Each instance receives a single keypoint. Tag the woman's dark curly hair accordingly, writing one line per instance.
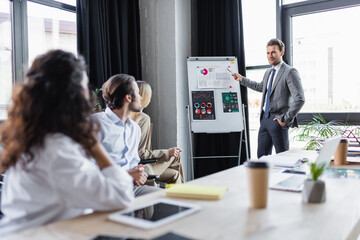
(52, 100)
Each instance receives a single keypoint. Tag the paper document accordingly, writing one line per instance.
(214, 77)
(289, 159)
(282, 161)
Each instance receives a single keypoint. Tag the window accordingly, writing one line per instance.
(29, 28)
(326, 52)
(6, 81)
(50, 28)
(292, 1)
(69, 2)
(256, 35)
(324, 47)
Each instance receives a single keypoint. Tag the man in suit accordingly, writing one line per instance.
(282, 99)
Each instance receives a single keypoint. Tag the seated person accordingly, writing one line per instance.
(168, 167)
(120, 135)
(48, 142)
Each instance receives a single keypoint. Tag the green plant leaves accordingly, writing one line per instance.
(317, 130)
(316, 170)
(94, 98)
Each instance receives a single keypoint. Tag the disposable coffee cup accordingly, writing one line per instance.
(341, 152)
(258, 178)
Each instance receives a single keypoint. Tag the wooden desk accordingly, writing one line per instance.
(286, 216)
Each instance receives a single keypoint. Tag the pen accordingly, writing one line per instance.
(294, 171)
(229, 70)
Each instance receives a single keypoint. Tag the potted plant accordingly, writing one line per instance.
(314, 189)
(97, 107)
(317, 130)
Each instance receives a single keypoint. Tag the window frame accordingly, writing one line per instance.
(309, 7)
(19, 29)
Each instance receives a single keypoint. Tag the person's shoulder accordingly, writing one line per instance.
(98, 115)
(134, 125)
(58, 144)
(57, 140)
(143, 117)
(287, 67)
(102, 118)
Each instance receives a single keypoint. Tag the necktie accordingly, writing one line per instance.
(267, 104)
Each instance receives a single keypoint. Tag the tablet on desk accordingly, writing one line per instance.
(154, 214)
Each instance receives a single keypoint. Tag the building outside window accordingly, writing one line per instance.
(326, 53)
(6, 79)
(43, 25)
(50, 28)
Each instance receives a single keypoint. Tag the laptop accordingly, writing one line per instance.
(292, 180)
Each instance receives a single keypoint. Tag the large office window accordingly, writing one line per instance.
(27, 29)
(50, 28)
(324, 47)
(326, 52)
(256, 35)
(258, 32)
(292, 1)
(6, 79)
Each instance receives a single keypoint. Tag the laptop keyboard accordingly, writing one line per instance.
(294, 183)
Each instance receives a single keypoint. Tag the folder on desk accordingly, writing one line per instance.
(202, 192)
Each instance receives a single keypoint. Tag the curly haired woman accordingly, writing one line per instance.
(48, 143)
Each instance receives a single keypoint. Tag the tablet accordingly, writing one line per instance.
(154, 214)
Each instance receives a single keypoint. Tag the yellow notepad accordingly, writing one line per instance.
(196, 191)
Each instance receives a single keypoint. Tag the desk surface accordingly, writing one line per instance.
(286, 216)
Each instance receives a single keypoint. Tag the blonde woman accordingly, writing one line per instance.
(168, 167)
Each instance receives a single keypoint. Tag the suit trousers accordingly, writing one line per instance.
(169, 171)
(272, 134)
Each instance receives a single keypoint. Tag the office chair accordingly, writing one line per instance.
(147, 161)
(1, 183)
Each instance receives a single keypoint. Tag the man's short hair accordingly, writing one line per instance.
(116, 88)
(276, 42)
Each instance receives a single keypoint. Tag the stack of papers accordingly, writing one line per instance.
(196, 191)
(289, 159)
(282, 161)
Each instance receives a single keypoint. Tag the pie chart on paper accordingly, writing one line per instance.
(204, 71)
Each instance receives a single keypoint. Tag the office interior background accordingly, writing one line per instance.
(321, 38)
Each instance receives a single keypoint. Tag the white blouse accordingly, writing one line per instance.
(60, 183)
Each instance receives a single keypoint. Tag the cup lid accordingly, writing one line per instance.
(257, 164)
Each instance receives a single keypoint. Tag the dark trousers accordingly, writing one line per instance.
(272, 134)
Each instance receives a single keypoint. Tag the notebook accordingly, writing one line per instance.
(196, 191)
(290, 180)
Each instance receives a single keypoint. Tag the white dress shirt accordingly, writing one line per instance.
(277, 68)
(60, 183)
(121, 140)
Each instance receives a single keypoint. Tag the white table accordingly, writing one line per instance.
(286, 216)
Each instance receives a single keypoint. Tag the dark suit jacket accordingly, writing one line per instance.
(287, 94)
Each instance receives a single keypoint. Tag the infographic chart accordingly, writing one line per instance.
(214, 95)
(230, 102)
(203, 105)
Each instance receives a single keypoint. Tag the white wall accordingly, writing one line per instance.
(165, 44)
